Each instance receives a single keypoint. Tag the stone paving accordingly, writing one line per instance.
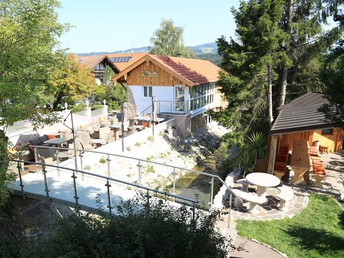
(270, 210)
(333, 184)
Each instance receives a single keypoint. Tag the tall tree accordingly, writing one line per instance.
(114, 95)
(247, 61)
(71, 81)
(333, 77)
(28, 36)
(288, 36)
(168, 41)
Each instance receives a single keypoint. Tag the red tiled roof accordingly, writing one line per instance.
(195, 70)
(191, 71)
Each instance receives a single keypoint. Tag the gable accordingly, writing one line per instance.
(150, 74)
(169, 71)
(94, 61)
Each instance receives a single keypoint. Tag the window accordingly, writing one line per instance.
(327, 131)
(202, 95)
(147, 91)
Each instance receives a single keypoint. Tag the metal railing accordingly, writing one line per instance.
(176, 107)
(170, 107)
(146, 173)
(51, 192)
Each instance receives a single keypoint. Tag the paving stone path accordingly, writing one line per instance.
(332, 185)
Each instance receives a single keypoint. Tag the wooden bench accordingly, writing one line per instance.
(285, 194)
(252, 198)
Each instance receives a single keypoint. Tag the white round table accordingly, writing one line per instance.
(263, 181)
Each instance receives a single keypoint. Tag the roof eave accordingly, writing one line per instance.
(120, 77)
(301, 129)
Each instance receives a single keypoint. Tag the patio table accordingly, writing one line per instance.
(56, 141)
(263, 181)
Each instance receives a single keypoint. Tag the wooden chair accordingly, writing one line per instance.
(281, 160)
(300, 162)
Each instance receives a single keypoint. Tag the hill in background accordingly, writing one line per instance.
(207, 51)
(207, 48)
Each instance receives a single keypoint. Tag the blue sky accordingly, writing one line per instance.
(110, 25)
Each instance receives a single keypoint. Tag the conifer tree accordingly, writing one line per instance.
(288, 36)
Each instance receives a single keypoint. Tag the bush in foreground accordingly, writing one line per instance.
(155, 231)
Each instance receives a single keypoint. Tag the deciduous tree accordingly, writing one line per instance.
(28, 36)
(168, 41)
(114, 95)
(71, 81)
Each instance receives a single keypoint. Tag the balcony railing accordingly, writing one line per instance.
(171, 107)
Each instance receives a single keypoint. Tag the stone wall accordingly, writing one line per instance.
(182, 123)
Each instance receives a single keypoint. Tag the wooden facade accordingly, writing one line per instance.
(332, 141)
(150, 74)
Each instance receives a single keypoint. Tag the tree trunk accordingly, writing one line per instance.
(271, 118)
(284, 76)
(57, 101)
(4, 159)
(283, 86)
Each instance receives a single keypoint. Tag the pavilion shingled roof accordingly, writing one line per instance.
(301, 115)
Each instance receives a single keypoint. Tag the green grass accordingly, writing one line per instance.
(315, 232)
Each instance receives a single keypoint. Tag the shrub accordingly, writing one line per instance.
(157, 230)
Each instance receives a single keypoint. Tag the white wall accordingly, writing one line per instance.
(160, 92)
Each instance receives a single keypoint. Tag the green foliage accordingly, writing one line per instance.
(102, 160)
(114, 95)
(9, 247)
(27, 62)
(87, 167)
(78, 108)
(157, 230)
(168, 41)
(97, 106)
(150, 169)
(314, 232)
(239, 151)
(332, 76)
(212, 57)
(28, 35)
(71, 81)
(291, 41)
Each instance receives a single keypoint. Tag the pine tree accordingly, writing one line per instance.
(286, 35)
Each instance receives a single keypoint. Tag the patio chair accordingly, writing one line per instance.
(69, 153)
(85, 138)
(105, 134)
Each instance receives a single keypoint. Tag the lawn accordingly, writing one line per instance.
(315, 232)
